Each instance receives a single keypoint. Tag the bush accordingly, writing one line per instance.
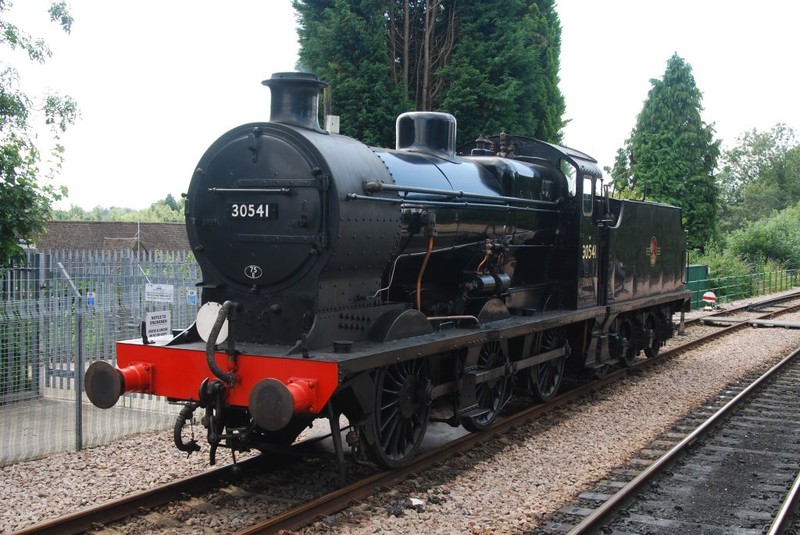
(722, 262)
(775, 239)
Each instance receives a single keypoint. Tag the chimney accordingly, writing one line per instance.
(295, 99)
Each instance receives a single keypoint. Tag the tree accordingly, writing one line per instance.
(25, 193)
(167, 210)
(172, 203)
(421, 36)
(494, 66)
(753, 153)
(671, 154)
(504, 72)
(759, 175)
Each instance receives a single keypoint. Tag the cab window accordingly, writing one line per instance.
(571, 173)
(588, 195)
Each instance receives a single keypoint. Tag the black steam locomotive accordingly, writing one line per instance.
(400, 286)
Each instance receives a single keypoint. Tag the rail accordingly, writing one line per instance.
(593, 521)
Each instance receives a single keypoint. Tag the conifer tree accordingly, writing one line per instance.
(671, 154)
(492, 65)
(504, 73)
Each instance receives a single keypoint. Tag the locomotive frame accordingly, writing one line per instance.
(409, 285)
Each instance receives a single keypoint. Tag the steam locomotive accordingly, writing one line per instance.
(398, 286)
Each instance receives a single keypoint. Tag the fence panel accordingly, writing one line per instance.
(20, 328)
(738, 287)
(59, 312)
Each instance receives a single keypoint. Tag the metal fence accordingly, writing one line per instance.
(61, 311)
(734, 288)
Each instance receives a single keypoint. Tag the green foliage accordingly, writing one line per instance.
(420, 36)
(724, 268)
(60, 13)
(775, 239)
(761, 257)
(26, 193)
(722, 262)
(494, 66)
(172, 203)
(622, 179)
(732, 277)
(671, 154)
(753, 153)
(759, 175)
(167, 210)
(504, 71)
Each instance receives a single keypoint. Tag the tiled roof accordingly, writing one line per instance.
(113, 235)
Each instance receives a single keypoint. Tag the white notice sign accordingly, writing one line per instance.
(159, 293)
(158, 324)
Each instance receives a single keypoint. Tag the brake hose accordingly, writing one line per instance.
(229, 378)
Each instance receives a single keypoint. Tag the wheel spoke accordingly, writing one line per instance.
(397, 375)
(390, 403)
(405, 435)
(546, 375)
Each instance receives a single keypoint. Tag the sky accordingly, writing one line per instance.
(158, 81)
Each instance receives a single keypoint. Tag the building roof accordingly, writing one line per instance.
(112, 235)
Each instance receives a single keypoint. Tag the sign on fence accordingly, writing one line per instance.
(157, 324)
(159, 293)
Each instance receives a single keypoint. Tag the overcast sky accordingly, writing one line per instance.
(158, 81)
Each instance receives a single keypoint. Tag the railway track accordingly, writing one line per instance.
(738, 316)
(288, 514)
(729, 475)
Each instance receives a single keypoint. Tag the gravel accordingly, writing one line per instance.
(34, 491)
(506, 486)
